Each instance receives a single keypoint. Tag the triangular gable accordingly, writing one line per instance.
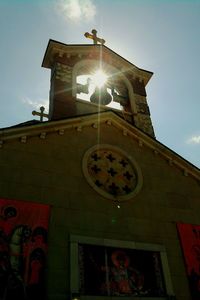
(22, 134)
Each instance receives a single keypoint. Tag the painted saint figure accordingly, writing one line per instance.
(126, 279)
(123, 279)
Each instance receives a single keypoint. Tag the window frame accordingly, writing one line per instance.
(75, 240)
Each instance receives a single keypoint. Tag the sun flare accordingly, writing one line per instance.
(99, 78)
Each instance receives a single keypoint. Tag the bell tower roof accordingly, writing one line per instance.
(58, 49)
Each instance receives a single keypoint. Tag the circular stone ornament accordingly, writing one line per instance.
(112, 172)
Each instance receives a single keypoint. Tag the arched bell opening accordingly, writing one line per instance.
(103, 95)
(115, 92)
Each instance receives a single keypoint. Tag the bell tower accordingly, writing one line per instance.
(93, 78)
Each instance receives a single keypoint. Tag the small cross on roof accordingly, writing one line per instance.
(94, 37)
(41, 113)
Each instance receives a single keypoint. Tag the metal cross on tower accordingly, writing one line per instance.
(41, 113)
(94, 37)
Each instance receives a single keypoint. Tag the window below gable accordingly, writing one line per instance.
(110, 268)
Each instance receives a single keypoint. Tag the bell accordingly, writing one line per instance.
(101, 96)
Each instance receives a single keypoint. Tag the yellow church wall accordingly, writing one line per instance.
(50, 171)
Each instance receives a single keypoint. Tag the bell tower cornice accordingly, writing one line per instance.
(57, 51)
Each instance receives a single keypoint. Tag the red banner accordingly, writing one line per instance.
(190, 241)
(23, 247)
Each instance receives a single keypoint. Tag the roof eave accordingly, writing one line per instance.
(109, 118)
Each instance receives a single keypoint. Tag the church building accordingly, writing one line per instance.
(92, 205)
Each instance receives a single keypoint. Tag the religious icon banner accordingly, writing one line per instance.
(108, 271)
(23, 248)
(190, 242)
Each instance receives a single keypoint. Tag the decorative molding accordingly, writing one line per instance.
(94, 52)
(61, 132)
(108, 122)
(63, 72)
(60, 54)
(143, 108)
(144, 123)
(43, 135)
(125, 132)
(79, 128)
(156, 152)
(23, 139)
(170, 161)
(140, 142)
(94, 126)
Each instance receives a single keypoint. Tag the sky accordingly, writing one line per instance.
(162, 36)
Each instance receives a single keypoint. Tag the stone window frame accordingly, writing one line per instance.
(75, 240)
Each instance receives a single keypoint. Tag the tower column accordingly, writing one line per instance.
(62, 102)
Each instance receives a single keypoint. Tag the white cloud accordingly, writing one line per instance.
(75, 10)
(36, 103)
(194, 140)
